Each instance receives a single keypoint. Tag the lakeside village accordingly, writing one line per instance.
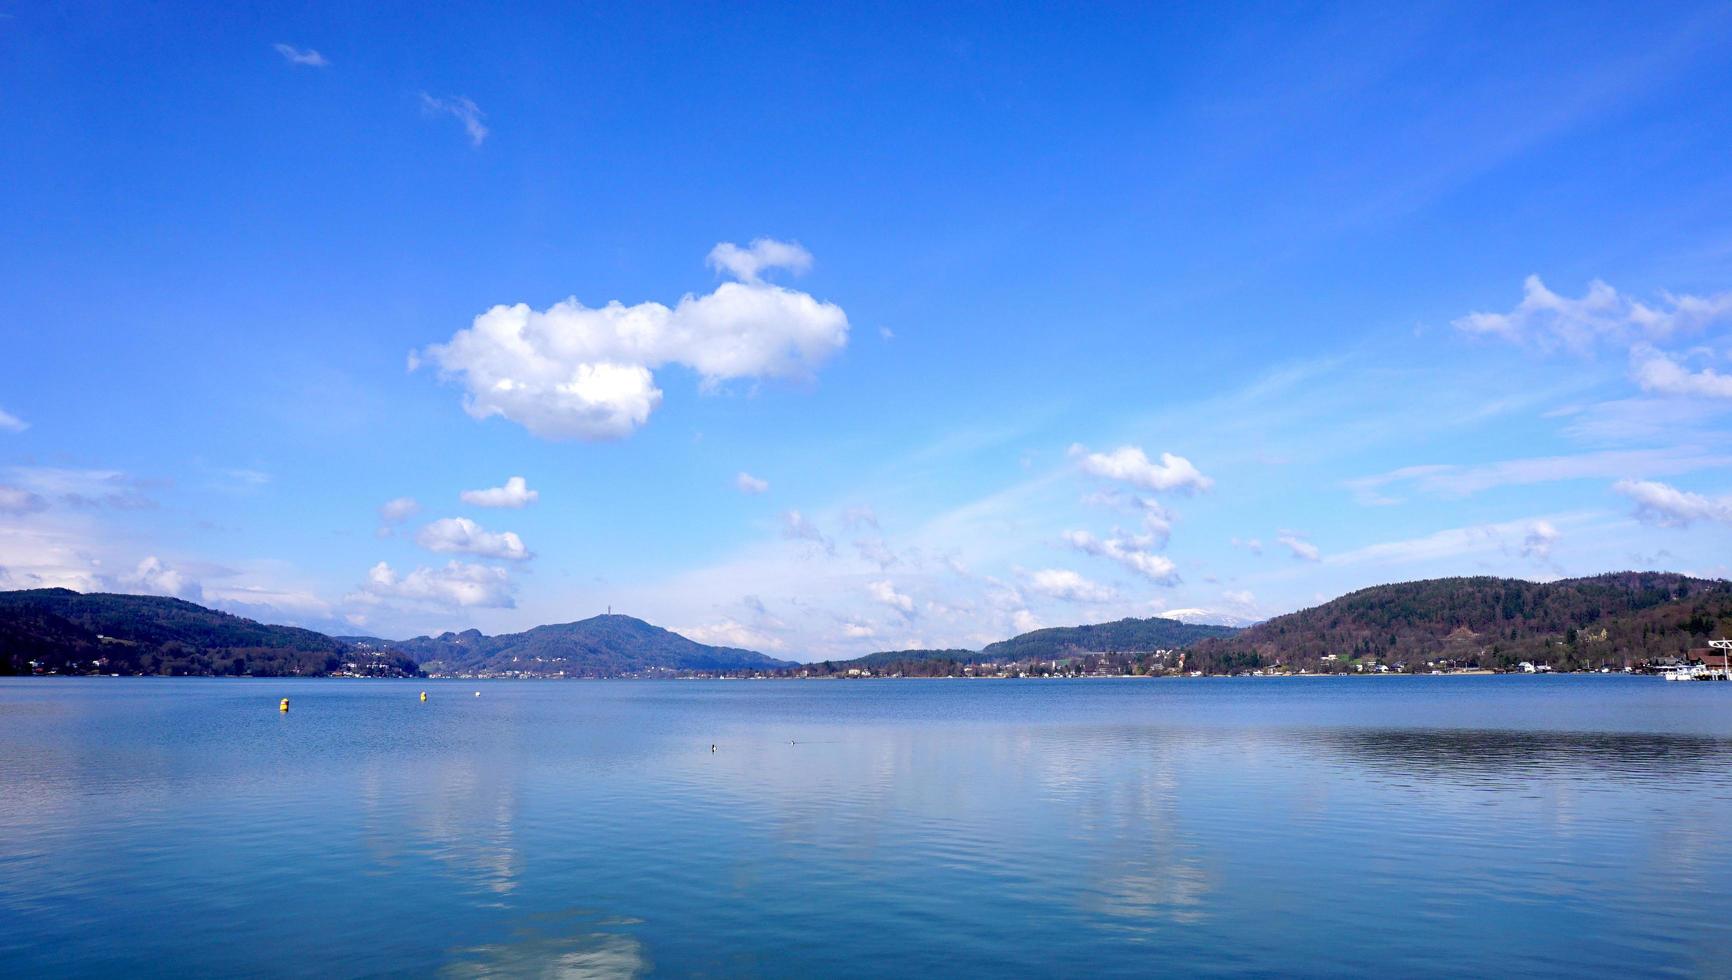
(1707, 663)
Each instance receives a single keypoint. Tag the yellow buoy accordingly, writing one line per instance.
(423, 695)
(285, 705)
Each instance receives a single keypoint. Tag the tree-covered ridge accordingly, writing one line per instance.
(601, 646)
(71, 632)
(1122, 636)
(1127, 645)
(1610, 620)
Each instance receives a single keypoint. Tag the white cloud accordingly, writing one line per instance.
(747, 483)
(876, 551)
(884, 592)
(858, 631)
(1130, 465)
(1667, 506)
(295, 56)
(398, 510)
(1157, 519)
(155, 578)
(462, 535)
(17, 500)
(747, 264)
(1539, 540)
(1295, 542)
(515, 493)
(576, 372)
(1658, 371)
(463, 109)
(1602, 315)
(1253, 545)
(796, 527)
(860, 516)
(457, 584)
(1134, 551)
(12, 423)
(1062, 583)
(729, 633)
(1453, 480)
(1024, 621)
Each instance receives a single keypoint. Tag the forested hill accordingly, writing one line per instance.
(71, 632)
(602, 646)
(1122, 636)
(1130, 640)
(1606, 620)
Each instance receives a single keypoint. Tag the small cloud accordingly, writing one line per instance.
(11, 423)
(1253, 545)
(1129, 464)
(462, 535)
(1537, 544)
(463, 109)
(860, 516)
(1066, 585)
(1667, 506)
(886, 333)
(17, 500)
(393, 512)
(1602, 315)
(1024, 621)
(796, 527)
(1296, 543)
(295, 56)
(515, 494)
(858, 631)
(1659, 372)
(747, 483)
(155, 578)
(748, 264)
(876, 551)
(1134, 551)
(885, 593)
(457, 584)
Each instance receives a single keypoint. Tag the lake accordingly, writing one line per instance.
(1448, 826)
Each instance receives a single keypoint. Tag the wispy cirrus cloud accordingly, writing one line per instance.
(1461, 480)
(463, 109)
(307, 58)
(1602, 315)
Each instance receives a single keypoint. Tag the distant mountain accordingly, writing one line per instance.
(602, 646)
(1605, 620)
(1127, 640)
(1123, 636)
(72, 632)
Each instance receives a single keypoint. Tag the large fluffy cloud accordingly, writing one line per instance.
(515, 493)
(462, 535)
(1130, 464)
(1668, 506)
(457, 584)
(578, 372)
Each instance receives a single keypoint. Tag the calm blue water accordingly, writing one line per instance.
(1564, 826)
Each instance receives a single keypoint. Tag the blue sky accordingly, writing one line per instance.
(934, 324)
